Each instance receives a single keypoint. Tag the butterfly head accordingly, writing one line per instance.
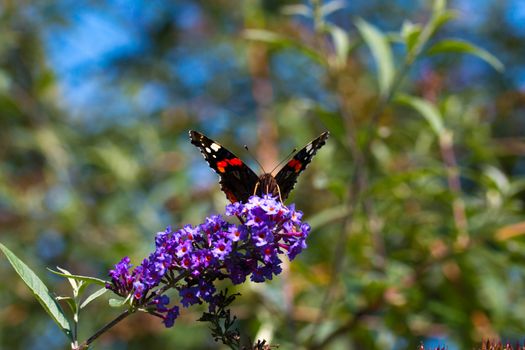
(267, 185)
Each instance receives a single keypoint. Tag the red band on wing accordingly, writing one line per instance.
(296, 164)
(234, 161)
(221, 165)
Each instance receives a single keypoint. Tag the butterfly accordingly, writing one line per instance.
(239, 182)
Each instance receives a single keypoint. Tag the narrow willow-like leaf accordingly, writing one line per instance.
(498, 177)
(72, 305)
(92, 297)
(71, 281)
(86, 279)
(279, 41)
(328, 216)
(426, 109)
(332, 6)
(511, 231)
(39, 290)
(410, 33)
(341, 44)
(297, 10)
(460, 46)
(441, 19)
(116, 302)
(333, 122)
(439, 6)
(382, 53)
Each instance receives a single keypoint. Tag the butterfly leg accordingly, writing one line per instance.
(256, 187)
(280, 198)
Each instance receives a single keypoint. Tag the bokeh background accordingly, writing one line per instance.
(96, 99)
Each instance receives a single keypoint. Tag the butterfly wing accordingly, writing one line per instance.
(287, 176)
(236, 178)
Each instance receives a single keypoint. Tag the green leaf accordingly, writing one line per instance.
(279, 41)
(341, 44)
(39, 290)
(426, 109)
(382, 53)
(331, 7)
(441, 19)
(410, 33)
(297, 10)
(93, 296)
(87, 279)
(460, 46)
(327, 216)
(439, 6)
(71, 281)
(70, 301)
(497, 177)
(333, 122)
(113, 302)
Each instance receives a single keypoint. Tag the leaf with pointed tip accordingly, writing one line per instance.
(460, 46)
(88, 279)
(297, 10)
(278, 41)
(71, 303)
(382, 53)
(331, 7)
(93, 296)
(39, 290)
(410, 33)
(71, 281)
(426, 109)
(341, 43)
(332, 121)
(439, 6)
(441, 19)
(113, 302)
(328, 216)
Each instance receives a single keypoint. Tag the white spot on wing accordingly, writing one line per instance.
(215, 147)
(208, 149)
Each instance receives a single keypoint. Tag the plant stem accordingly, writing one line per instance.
(446, 145)
(105, 328)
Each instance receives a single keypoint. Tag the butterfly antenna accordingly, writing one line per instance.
(284, 160)
(251, 155)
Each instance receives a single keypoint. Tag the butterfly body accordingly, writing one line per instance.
(239, 182)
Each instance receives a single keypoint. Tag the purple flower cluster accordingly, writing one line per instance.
(192, 258)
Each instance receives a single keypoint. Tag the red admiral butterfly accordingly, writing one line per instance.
(239, 182)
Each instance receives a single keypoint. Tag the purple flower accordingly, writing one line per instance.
(262, 236)
(138, 288)
(295, 216)
(261, 274)
(236, 233)
(170, 316)
(183, 248)
(206, 290)
(192, 259)
(159, 306)
(189, 296)
(268, 253)
(270, 206)
(221, 249)
(121, 280)
(234, 209)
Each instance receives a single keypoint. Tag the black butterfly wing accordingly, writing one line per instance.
(287, 176)
(236, 178)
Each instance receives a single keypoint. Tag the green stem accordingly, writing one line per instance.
(105, 328)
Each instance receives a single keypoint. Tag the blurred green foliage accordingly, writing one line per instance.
(416, 202)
